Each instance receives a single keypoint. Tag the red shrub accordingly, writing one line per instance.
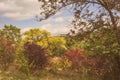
(98, 65)
(75, 56)
(93, 64)
(36, 55)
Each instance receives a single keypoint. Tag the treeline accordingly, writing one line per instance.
(96, 54)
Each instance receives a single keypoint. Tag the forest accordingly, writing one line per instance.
(90, 51)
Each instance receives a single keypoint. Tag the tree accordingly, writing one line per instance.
(36, 35)
(9, 38)
(7, 53)
(89, 16)
(102, 44)
(11, 32)
(86, 16)
(55, 45)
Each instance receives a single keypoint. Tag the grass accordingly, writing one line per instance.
(45, 75)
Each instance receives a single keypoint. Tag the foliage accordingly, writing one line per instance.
(7, 53)
(100, 58)
(36, 55)
(103, 41)
(56, 45)
(59, 63)
(91, 17)
(11, 32)
(99, 65)
(10, 36)
(75, 56)
(35, 35)
(103, 44)
(95, 65)
(73, 42)
(102, 49)
(21, 63)
(105, 13)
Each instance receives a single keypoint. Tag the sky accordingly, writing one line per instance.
(21, 13)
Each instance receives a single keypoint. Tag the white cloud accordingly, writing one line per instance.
(17, 16)
(26, 29)
(59, 19)
(19, 9)
(56, 28)
(55, 20)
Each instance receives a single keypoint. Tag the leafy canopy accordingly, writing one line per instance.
(36, 34)
(11, 32)
(89, 15)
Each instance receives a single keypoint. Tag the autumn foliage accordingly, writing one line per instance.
(36, 55)
(7, 53)
(92, 64)
(94, 58)
(75, 56)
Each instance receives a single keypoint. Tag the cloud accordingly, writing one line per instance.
(26, 29)
(55, 20)
(19, 10)
(56, 29)
(59, 19)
